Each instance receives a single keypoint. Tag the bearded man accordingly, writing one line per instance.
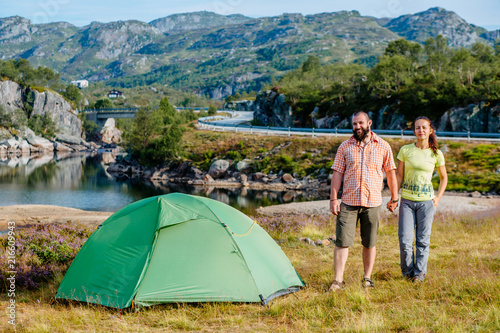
(360, 163)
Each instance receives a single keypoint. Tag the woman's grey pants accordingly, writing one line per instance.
(415, 217)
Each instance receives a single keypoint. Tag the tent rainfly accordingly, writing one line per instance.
(178, 248)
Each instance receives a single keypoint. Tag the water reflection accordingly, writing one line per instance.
(81, 181)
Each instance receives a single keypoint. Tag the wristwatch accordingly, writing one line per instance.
(394, 201)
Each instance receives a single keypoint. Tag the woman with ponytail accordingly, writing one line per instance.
(416, 163)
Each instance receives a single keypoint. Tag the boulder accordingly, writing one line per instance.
(195, 173)
(208, 178)
(61, 147)
(258, 176)
(111, 134)
(69, 139)
(218, 169)
(475, 194)
(242, 165)
(287, 178)
(40, 143)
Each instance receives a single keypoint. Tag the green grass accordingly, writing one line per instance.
(460, 294)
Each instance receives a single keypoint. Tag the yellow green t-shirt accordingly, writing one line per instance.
(419, 167)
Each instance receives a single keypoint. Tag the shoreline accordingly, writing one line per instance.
(29, 215)
(451, 203)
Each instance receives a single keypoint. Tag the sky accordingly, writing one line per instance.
(483, 13)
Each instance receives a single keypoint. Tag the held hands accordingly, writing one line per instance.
(335, 207)
(391, 206)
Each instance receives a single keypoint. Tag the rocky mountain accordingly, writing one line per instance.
(18, 35)
(179, 23)
(433, 22)
(216, 55)
(491, 36)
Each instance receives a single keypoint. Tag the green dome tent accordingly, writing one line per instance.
(178, 248)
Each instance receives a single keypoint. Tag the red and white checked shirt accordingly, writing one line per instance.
(363, 170)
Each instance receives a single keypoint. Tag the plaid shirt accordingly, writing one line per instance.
(362, 169)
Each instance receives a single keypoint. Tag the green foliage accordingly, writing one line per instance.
(42, 125)
(188, 115)
(484, 155)
(456, 145)
(262, 165)
(232, 98)
(156, 134)
(412, 79)
(21, 71)
(28, 103)
(16, 119)
(312, 64)
(482, 182)
(234, 155)
(72, 93)
(103, 103)
(88, 126)
(212, 110)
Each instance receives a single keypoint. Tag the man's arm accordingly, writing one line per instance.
(334, 202)
(392, 182)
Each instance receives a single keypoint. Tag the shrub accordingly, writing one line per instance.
(41, 252)
(234, 155)
(42, 125)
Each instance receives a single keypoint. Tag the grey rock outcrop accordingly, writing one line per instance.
(270, 108)
(475, 118)
(60, 111)
(12, 97)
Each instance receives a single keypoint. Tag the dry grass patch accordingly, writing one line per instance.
(460, 293)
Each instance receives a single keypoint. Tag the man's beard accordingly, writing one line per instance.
(362, 135)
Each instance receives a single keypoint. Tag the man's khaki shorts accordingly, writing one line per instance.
(347, 219)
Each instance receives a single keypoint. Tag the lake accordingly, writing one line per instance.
(81, 181)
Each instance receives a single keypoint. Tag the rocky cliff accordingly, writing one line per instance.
(474, 118)
(14, 97)
(271, 109)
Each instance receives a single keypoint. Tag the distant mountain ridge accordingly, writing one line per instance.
(435, 21)
(216, 54)
(178, 23)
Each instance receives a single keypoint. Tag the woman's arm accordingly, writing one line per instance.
(400, 173)
(443, 182)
